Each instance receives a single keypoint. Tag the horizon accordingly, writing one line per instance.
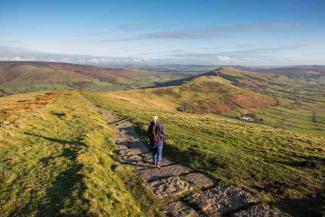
(130, 65)
(196, 32)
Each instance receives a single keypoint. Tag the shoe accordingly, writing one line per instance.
(158, 166)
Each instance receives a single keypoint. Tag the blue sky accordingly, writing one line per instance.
(244, 32)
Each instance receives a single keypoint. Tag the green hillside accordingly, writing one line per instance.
(270, 159)
(56, 159)
(300, 102)
(57, 154)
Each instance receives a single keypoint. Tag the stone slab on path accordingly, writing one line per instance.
(147, 157)
(131, 158)
(138, 145)
(221, 200)
(200, 180)
(129, 131)
(179, 209)
(170, 186)
(130, 151)
(260, 210)
(155, 173)
(120, 147)
(122, 141)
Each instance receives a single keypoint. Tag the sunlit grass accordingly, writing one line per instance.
(58, 162)
(257, 157)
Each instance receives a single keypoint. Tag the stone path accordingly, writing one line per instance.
(190, 193)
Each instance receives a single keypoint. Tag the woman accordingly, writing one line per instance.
(156, 135)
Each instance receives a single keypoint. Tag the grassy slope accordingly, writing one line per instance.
(301, 102)
(206, 94)
(56, 158)
(257, 157)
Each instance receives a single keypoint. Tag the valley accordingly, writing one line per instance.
(16, 77)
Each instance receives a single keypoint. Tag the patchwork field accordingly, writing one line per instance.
(300, 102)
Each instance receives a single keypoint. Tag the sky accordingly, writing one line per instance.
(212, 32)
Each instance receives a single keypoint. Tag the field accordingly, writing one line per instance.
(56, 159)
(260, 158)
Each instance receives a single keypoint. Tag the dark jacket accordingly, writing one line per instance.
(151, 127)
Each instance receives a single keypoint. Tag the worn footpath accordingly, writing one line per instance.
(190, 193)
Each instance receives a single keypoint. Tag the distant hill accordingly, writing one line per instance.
(307, 72)
(19, 76)
(269, 98)
(205, 93)
(299, 71)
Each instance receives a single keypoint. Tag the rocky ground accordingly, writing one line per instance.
(190, 193)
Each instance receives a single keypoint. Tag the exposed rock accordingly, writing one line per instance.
(120, 147)
(131, 158)
(138, 145)
(221, 200)
(260, 210)
(147, 157)
(171, 186)
(130, 151)
(155, 173)
(128, 130)
(122, 142)
(179, 209)
(200, 180)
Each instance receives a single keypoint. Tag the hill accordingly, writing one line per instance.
(57, 152)
(305, 72)
(207, 93)
(31, 76)
(56, 159)
(283, 166)
(277, 100)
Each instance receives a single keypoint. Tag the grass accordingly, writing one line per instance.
(56, 151)
(257, 157)
(57, 162)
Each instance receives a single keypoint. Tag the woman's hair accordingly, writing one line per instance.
(155, 118)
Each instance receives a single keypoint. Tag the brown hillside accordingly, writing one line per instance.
(45, 72)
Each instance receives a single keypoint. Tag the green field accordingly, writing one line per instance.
(56, 158)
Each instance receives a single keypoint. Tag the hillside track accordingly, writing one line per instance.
(185, 192)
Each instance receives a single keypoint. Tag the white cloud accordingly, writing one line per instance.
(224, 58)
(17, 59)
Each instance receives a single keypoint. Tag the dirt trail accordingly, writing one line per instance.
(189, 193)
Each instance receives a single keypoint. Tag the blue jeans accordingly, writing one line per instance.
(157, 153)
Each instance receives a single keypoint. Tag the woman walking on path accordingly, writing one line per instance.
(156, 135)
